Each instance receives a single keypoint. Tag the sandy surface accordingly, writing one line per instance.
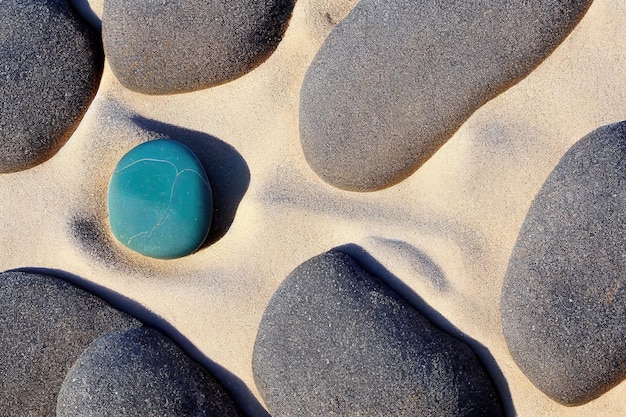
(446, 232)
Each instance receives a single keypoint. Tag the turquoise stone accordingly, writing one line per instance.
(160, 202)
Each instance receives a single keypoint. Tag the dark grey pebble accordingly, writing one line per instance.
(395, 79)
(140, 372)
(335, 341)
(185, 45)
(45, 324)
(564, 295)
(51, 63)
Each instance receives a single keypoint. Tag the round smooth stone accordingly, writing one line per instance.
(51, 64)
(160, 200)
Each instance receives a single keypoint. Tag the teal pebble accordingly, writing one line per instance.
(160, 201)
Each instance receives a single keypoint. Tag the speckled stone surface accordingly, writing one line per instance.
(140, 372)
(180, 46)
(334, 341)
(395, 79)
(564, 295)
(45, 324)
(159, 200)
(51, 64)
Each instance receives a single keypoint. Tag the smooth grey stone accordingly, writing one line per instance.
(335, 341)
(140, 372)
(45, 324)
(395, 79)
(51, 63)
(165, 47)
(564, 294)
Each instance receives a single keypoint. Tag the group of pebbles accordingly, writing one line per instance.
(390, 85)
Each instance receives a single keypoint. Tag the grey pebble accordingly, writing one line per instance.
(51, 63)
(395, 79)
(180, 46)
(335, 341)
(45, 324)
(563, 299)
(140, 373)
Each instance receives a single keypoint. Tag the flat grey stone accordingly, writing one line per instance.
(165, 47)
(564, 295)
(51, 62)
(395, 79)
(334, 341)
(45, 324)
(140, 372)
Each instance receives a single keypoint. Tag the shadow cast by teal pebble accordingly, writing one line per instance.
(237, 389)
(373, 267)
(225, 168)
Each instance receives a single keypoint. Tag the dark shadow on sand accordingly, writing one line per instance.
(373, 267)
(85, 10)
(238, 390)
(226, 169)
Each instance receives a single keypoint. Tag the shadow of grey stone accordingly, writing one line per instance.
(240, 393)
(85, 10)
(373, 267)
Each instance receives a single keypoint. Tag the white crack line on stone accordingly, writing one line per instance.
(206, 182)
(169, 205)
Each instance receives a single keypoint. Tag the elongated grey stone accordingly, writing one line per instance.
(395, 79)
(140, 372)
(51, 62)
(45, 324)
(335, 341)
(165, 47)
(564, 294)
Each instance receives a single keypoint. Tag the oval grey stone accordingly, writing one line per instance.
(395, 79)
(335, 341)
(165, 47)
(564, 294)
(140, 372)
(51, 63)
(45, 324)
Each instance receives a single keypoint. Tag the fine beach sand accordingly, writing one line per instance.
(446, 233)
